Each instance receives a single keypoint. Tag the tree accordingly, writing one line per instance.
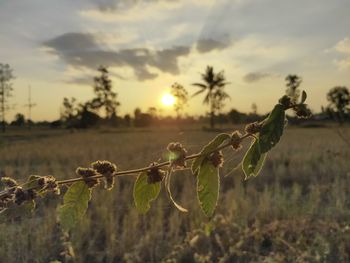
(5, 91)
(105, 96)
(181, 95)
(213, 84)
(69, 111)
(293, 82)
(86, 117)
(19, 120)
(339, 100)
(254, 109)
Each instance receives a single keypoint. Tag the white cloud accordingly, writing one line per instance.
(343, 46)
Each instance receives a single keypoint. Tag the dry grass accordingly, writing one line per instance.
(307, 176)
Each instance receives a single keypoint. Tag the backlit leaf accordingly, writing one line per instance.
(208, 187)
(272, 129)
(253, 160)
(144, 193)
(303, 96)
(210, 147)
(75, 204)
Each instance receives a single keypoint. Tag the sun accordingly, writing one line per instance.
(168, 100)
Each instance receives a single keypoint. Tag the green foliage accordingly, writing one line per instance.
(253, 160)
(32, 181)
(272, 128)
(144, 193)
(168, 189)
(208, 185)
(75, 203)
(303, 96)
(207, 149)
(270, 134)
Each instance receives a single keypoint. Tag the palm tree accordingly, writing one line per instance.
(213, 84)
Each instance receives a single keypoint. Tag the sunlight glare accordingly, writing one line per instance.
(168, 100)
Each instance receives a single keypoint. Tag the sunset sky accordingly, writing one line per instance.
(56, 46)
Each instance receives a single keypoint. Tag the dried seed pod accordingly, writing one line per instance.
(22, 195)
(236, 140)
(51, 184)
(177, 155)
(107, 169)
(104, 167)
(302, 111)
(286, 101)
(217, 158)
(9, 182)
(253, 128)
(5, 199)
(86, 173)
(154, 174)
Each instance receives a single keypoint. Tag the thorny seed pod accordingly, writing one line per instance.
(107, 169)
(286, 101)
(236, 140)
(86, 173)
(9, 182)
(217, 158)
(253, 128)
(154, 174)
(51, 184)
(302, 111)
(24, 195)
(103, 167)
(5, 199)
(177, 155)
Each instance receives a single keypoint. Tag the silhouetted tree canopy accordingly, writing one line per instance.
(181, 95)
(213, 84)
(105, 96)
(19, 120)
(339, 101)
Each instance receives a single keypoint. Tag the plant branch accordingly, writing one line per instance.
(132, 171)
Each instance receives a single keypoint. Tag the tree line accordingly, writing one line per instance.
(103, 108)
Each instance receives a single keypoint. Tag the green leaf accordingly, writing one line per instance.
(168, 189)
(208, 187)
(253, 160)
(15, 212)
(272, 129)
(75, 204)
(210, 147)
(32, 181)
(144, 193)
(303, 97)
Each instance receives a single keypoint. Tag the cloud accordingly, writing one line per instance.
(256, 76)
(208, 44)
(113, 5)
(343, 64)
(83, 50)
(129, 10)
(343, 47)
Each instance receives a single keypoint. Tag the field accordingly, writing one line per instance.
(297, 210)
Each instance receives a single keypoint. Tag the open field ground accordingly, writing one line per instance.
(297, 210)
